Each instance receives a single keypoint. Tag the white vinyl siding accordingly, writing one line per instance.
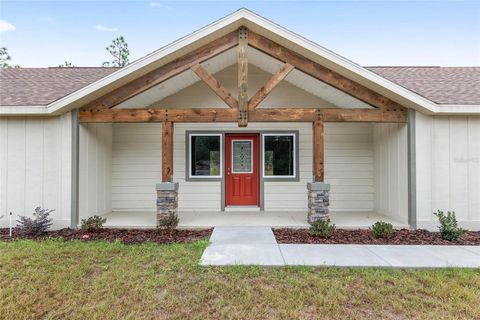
(136, 165)
(448, 168)
(35, 166)
(95, 169)
(391, 170)
(349, 166)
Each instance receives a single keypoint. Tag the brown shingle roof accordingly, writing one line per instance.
(41, 86)
(443, 85)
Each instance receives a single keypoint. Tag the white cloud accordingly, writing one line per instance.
(6, 26)
(159, 5)
(104, 28)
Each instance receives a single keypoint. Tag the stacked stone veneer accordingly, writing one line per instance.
(318, 201)
(167, 200)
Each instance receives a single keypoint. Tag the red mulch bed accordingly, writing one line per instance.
(127, 236)
(403, 236)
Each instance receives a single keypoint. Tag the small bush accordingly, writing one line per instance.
(168, 222)
(382, 229)
(449, 229)
(322, 229)
(93, 224)
(37, 225)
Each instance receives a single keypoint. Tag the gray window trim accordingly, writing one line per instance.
(296, 176)
(188, 176)
(260, 159)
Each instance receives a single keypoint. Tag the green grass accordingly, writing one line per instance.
(99, 280)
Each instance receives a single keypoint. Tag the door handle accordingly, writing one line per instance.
(228, 171)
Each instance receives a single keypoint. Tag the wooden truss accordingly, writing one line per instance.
(242, 109)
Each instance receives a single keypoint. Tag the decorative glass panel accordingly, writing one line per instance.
(279, 155)
(242, 156)
(205, 155)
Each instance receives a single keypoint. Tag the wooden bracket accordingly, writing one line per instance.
(264, 91)
(215, 85)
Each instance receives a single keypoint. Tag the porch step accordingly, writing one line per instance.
(242, 209)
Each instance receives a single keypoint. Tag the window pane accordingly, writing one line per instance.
(241, 156)
(279, 156)
(205, 155)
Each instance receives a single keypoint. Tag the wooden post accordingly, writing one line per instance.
(242, 77)
(318, 150)
(167, 151)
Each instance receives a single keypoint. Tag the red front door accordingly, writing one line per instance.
(241, 170)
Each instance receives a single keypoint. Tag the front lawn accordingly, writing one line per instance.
(102, 280)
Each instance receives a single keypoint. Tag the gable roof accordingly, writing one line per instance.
(43, 86)
(373, 80)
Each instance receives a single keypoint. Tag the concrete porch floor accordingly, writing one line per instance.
(290, 219)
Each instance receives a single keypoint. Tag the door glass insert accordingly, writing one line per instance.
(242, 156)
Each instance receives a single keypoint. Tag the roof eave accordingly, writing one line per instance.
(24, 110)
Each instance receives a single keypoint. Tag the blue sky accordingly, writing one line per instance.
(46, 33)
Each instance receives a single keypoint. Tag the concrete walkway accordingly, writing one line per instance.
(257, 246)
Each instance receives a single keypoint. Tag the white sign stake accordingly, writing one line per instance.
(10, 224)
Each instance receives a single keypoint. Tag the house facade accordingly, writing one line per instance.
(242, 116)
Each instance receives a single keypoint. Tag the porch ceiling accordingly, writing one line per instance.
(154, 95)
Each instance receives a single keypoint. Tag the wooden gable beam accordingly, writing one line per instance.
(231, 115)
(242, 77)
(264, 91)
(160, 115)
(215, 85)
(163, 73)
(322, 73)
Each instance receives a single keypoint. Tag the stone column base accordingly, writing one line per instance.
(318, 201)
(167, 205)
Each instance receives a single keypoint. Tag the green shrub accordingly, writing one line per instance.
(382, 229)
(93, 224)
(168, 222)
(322, 229)
(449, 229)
(38, 225)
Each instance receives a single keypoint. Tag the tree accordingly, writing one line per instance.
(66, 64)
(120, 53)
(5, 58)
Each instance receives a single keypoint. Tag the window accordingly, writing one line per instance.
(205, 155)
(279, 156)
(242, 156)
